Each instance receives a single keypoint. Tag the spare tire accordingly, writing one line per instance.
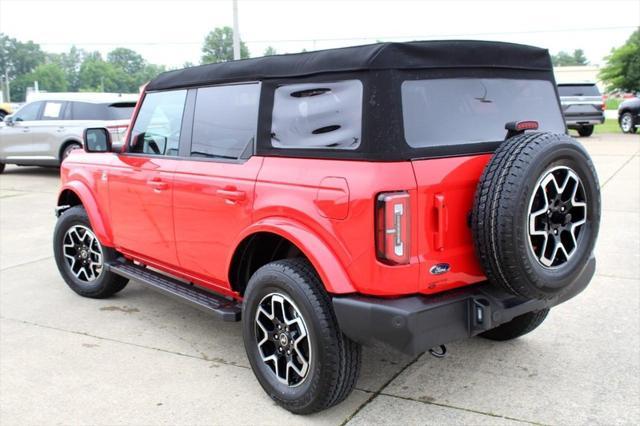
(536, 214)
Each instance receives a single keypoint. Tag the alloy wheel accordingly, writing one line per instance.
(557, 215)
(83, 253)
(283, 339)
(626, 122)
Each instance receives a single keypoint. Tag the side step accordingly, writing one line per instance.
(221, 307)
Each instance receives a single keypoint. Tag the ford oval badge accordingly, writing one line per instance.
(439, 269)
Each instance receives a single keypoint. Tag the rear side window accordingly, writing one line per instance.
(88, 111)
(578, 90)
(53, 110)
(225, 120)
(318, 115)
(156, 130)
(440, 112)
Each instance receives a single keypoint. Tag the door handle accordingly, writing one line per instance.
(157, 184)
(231, 194)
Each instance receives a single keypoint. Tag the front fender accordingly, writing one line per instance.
(329, 268)
(98, 223)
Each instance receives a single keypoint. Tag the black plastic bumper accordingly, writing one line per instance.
(415, 324)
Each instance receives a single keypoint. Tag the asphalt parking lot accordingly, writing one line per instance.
(140, 358)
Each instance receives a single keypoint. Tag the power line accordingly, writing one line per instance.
(415, 37)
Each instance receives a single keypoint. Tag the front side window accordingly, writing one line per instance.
(318, 115)
(225, 120)
(52, 110)
(440, 112)
(157, 127)
(28, 112)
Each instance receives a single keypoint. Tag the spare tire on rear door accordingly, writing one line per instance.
(536, 214)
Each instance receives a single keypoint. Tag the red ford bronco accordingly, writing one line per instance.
(410, 194)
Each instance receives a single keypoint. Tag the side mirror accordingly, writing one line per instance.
(9, 120)
(97, 139)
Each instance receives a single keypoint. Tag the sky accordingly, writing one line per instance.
(171, 32)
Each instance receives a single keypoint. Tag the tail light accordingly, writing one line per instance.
(393, 219)
(117, 131)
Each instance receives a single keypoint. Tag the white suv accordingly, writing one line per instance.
(44, 132)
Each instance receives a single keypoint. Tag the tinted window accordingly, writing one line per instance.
(53, 110)
(225, 120)
(318, 115)
(440, 112)
(121, 110)
(88, 111)
(157, 127)
(29, 112)
(578, 90)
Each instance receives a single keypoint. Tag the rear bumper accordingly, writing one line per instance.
(417, 323)
(583, 120)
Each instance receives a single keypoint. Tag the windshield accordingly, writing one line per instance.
(578, 90)
(456, 111)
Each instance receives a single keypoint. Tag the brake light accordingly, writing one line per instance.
(118, 129)
(393, 220)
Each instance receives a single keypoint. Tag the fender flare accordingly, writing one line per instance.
(100, 227)
(323, 259)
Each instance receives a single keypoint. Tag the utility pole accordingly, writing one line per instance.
(236, 31)
(7, 85)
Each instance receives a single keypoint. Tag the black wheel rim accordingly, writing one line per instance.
(557, 215)
(83, 253)
(282, 337)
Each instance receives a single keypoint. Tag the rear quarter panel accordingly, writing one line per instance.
(309, 192)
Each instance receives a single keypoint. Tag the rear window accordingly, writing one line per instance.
(578, 90)
(318, 115)
(439, 112)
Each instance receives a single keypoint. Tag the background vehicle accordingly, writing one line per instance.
(629, 115)
(44, 132)
(338, 198)
(582, 106)
(5, 109)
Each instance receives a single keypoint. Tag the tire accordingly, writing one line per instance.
(585, 131)
(2, 165)
(519, 326)
(67, 150)
(541, 259)
(2, 115)
(333, 359)
(627, 123)
(91, 280)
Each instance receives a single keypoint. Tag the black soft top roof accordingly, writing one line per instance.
(380, 56)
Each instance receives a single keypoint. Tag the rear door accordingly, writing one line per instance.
(141, 181)
(470, 113)
(214, 186)
(49, 131)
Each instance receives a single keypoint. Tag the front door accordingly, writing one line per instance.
(141, 181)
(16, 139)
(214, 187)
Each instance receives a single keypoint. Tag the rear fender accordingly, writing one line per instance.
(331, 272)
(98, 223)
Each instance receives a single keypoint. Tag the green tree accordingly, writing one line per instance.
(70, 62)
(127, 60)
(270, 51)
(623, 66)
(563, 59)
(97, 75)
(218, 46)
(17, 57)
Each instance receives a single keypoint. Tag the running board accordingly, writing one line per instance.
(221, 307)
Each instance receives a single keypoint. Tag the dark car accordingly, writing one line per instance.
(582, 106)
(629, 115)
(411, 194)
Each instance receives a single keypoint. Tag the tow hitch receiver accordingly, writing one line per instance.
(438, 351)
